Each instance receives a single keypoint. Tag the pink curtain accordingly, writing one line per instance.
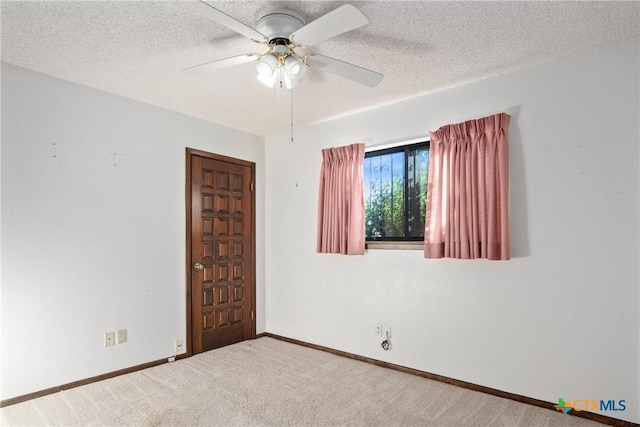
(341, 201)
(468, 191)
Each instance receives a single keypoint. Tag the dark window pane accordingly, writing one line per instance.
(395, 184)
(417, 174)
(384, 195)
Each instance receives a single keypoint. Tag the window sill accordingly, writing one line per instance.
(398, 245)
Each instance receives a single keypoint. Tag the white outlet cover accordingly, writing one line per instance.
(109, 339)
(122, 336)
(386, 331)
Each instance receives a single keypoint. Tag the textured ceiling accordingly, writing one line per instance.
(137, 49)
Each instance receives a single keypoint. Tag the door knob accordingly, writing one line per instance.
(198, 266)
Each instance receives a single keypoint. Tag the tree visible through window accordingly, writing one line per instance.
(395, 187)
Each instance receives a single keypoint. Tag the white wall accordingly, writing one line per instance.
(88, 236)
(93, 220)
(561, 319)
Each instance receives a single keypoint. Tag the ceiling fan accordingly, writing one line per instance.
(287, 38)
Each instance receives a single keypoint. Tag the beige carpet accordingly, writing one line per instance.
(267, 382)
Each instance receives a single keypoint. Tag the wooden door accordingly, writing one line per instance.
(220, 251)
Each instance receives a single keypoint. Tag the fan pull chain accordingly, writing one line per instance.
(291, 114)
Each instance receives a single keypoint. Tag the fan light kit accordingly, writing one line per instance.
(287, 36)
(281, 62)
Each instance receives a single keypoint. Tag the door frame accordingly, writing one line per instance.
(189, 154)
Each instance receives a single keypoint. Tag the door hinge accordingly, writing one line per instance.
(251, 314)
(251, 186)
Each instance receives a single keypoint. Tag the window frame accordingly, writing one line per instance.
(416, 243)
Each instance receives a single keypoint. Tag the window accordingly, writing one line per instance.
(395, 191)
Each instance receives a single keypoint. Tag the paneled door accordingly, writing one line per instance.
(220, 246)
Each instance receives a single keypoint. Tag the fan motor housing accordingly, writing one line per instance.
(279, 24)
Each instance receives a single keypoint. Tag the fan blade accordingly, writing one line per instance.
(340, 20)
(221, 63)
(344, 69)
(205, 9)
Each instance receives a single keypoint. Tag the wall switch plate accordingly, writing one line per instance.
(177, 346)
(109, 339)
(122, 336)
(378, 330)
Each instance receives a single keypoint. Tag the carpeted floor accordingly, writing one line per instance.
(267, 382)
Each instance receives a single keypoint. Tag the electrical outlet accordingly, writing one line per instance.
(122, 336)
(378, 330)
(177, 345)
(386, 331)
(109, 339)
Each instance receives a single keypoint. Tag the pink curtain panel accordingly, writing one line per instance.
(468, 191)
(341, 201)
